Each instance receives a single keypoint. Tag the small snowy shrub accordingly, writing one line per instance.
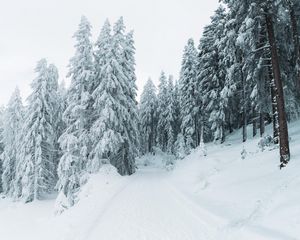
(266, 141)
(180, 150)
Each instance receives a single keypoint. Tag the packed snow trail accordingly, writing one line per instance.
(148, 209)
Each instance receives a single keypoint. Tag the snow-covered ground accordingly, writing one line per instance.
(218, 197)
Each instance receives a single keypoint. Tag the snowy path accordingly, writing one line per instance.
(148, 209)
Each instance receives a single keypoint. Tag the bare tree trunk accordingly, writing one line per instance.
(254, 122)
(244, 108)
(283, 129)
(197, 132)
(262, 128)
(230, 123)
(223, 134)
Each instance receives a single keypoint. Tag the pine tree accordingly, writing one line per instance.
(58, 104)
(62, 105)
(148, 117)
(189, 102)
(162, 97)
(176, 103)
(132, 123)
(171, 117)
(74, 141)
(258, 41)
(115, 129)
(103, 47)
(37, 170)
(212, 75)
(12, 126)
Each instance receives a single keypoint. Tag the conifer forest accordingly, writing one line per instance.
(230, 117)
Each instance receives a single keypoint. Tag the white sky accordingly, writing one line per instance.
(35, 29)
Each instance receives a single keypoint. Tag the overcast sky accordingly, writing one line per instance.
(35, 29)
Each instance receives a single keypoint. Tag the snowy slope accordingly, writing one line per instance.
(218, 197)
(254, 198)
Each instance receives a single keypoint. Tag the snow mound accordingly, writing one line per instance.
(158, 159)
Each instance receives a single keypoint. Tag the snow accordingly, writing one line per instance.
(220, 196)
(252, 196)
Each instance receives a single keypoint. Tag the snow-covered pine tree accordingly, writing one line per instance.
(37, 165)
(162, 97)
(102, 49)
(12, 126)
(176, 100)
(189, 102)
(115, 129)
(212, 75)
(74, 141)
(148, 117)
(171, 116)
(62, 105)
(102, 46)
(128, 64)
(289, 54)
(253, 17)
(58, 105)
(289, 14)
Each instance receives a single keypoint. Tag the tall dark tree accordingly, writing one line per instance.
(283, 129)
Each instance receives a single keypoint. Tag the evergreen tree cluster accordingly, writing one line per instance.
(62, 135)
(244, 71)
(159, 119)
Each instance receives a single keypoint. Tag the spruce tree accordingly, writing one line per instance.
(74, 141)
(171, 116)
(212, 75)
(189, 103)
(127, 54)
(37, 170)
(162, 97)
(12, 127)
(148, 117)
(115, 129)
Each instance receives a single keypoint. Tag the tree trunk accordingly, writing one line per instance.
(197, 131)
(230, 123)
(262, 128)
(244, 107)
(223, 134)
(283, 129)
(254, 123)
